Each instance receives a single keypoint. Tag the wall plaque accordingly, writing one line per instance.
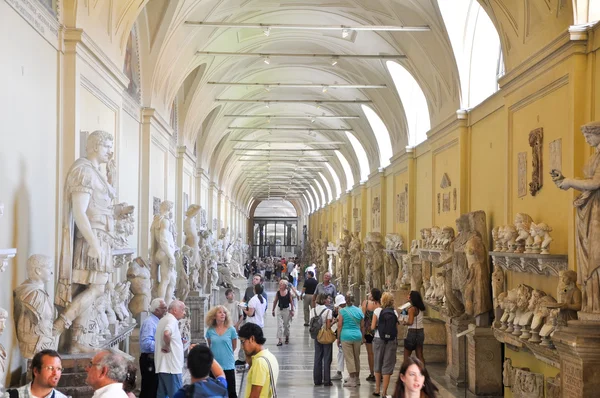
(446, 202)
(522, 174)
(556, 155)
(536, 141)
(355, 212)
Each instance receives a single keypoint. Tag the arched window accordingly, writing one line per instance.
(336, 180)
(309, 203)
(323, 197)
(476, 47)
(363, 161)
(381, 135)
(347, 170)
(413, 102)
(327, 187)
(317, 204)
(275, 208)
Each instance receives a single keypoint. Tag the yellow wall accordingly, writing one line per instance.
(423, 211)
(445, 160)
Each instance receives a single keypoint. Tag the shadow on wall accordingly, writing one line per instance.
(22, 241)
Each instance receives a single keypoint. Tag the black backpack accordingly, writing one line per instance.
(316, 324)
(387, 325)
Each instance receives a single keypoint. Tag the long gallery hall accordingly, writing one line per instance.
(413, 185)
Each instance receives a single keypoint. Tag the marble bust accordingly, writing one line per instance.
(33, 309)
(162, 253)
(523, 225)
(540, 314)
(86, 259)
(568, 295)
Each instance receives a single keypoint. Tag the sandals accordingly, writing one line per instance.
(287, 340)
(279, 344)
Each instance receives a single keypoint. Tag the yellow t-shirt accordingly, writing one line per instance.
(258, 375)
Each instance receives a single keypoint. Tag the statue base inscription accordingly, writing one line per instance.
(484, 363)
(578, 346)
(197, 305)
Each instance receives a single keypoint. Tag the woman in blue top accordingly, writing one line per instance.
(222, 340)
(350, 334)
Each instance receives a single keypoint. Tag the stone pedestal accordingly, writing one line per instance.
(198, 307)
(484, 355)
(400, 295)
(578, 347)
(456, 351)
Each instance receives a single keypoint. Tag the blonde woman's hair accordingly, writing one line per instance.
(211, 318)
(387, 300)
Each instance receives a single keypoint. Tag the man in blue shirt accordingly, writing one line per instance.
(200, 362)
(158, 309)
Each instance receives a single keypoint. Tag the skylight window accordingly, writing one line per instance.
(323, 199)
(363, 161)
(413, 102)
(347, 170)
(327, 187)
(476, 47)
(318, 205)
(381, 135)
(336, 180)
(309, 203)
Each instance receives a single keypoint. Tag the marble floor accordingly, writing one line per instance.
(296, 362)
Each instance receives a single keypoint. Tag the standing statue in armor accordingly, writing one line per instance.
(86, 259)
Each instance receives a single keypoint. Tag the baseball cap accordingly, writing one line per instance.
(339, 300)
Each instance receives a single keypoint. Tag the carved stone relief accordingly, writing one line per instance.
(401, 207)
(446, 202)
(556, 154)
(455, 195)
(445, 181)
(376, 213)
(355, 213)
(528, 384)
(536, 140)
(522, 174)
(156, 205)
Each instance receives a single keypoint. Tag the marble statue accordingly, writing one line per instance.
(510, 238)
(587, 221)
(429, 293)
(104, 304)
(33, 309)
(138, 275)
(378, 276)
(162, 254)
(502, 320)
(540, 314)
(206, 253)
(426, 287)
(521, 311)
(3, 356)
(124, 227)
(541, 238)
(323, 257)
(497, 284)
(120, 302)
(549, 327)
(344, 255)
(192, 240)
(369, 253)
(496, 239)
(507, 373)
(393, 243)
(183, 258)
(86, 259)
(435, 237)
(355, 256)
(440, 287)
(569, 296)
(502, 241)
(523, 225)
(477, 296)
(425, 237)
(510, 310)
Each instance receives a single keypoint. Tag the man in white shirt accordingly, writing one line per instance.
(106, 373)
(168, 353)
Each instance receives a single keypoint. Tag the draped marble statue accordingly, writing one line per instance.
(393, 244)
(183, 258)
(33, 309)
(344, 256)
(138, 274)
(86, 257)
(587, 222)
(162, 253)
(356, 263)
(378, 278)
(192, 240)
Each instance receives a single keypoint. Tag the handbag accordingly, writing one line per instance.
(326, 335)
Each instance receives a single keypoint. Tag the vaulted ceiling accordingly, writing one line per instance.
(178, 64)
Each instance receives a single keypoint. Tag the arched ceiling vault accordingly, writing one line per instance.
(172, 68)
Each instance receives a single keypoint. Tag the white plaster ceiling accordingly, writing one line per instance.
(168, 51)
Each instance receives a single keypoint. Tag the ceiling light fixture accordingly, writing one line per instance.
(345, 33)
(312, 120)
(266, 104)
(301, 55)
(373, 28)
(267, 88)
(325, 89)
(334, 60)
(267, 31)
(266, 59)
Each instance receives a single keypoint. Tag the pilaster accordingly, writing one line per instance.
(179, 210)
(145, 202)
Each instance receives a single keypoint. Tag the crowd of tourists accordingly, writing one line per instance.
(331, 319)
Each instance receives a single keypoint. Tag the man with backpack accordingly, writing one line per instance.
(200, 363)
(385, 342)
